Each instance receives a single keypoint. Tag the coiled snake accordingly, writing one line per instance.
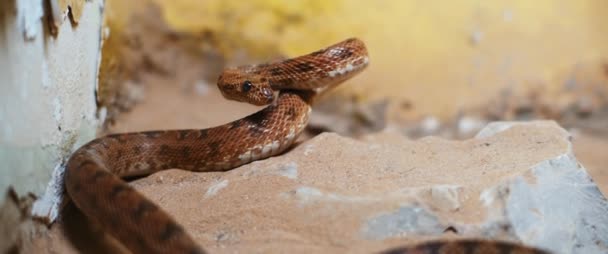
(93, 173)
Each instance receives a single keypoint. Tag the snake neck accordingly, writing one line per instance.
(323, 68)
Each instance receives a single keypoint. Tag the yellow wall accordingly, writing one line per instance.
(438, 55)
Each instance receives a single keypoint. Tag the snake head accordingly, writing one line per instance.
(240, 85)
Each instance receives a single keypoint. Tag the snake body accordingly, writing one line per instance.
(94, 171)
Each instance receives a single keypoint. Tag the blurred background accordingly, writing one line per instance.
(436, 68)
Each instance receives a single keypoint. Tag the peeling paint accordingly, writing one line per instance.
(47, 206)
(45, 81)
(73, 6)
(57, 112)
(47, 84)
(29, 14)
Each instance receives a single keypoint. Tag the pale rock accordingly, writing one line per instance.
(331, 194)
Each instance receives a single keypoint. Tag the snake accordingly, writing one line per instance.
(94, 172)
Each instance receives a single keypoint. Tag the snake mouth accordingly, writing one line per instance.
(269, 94)
(260, 98)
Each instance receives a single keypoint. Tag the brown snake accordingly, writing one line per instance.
(93, 173)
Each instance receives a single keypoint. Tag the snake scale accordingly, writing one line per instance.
(94, 171)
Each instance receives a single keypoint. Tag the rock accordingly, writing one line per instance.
(515, 181)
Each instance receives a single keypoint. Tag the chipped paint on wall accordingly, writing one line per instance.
(74, 6)
(62, 10)
(47, 93)
(29, 13)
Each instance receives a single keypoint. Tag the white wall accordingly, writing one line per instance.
(47, 93)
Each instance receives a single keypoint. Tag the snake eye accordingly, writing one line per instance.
(247, 86)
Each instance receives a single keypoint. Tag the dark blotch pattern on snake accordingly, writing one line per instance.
(93, 173)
